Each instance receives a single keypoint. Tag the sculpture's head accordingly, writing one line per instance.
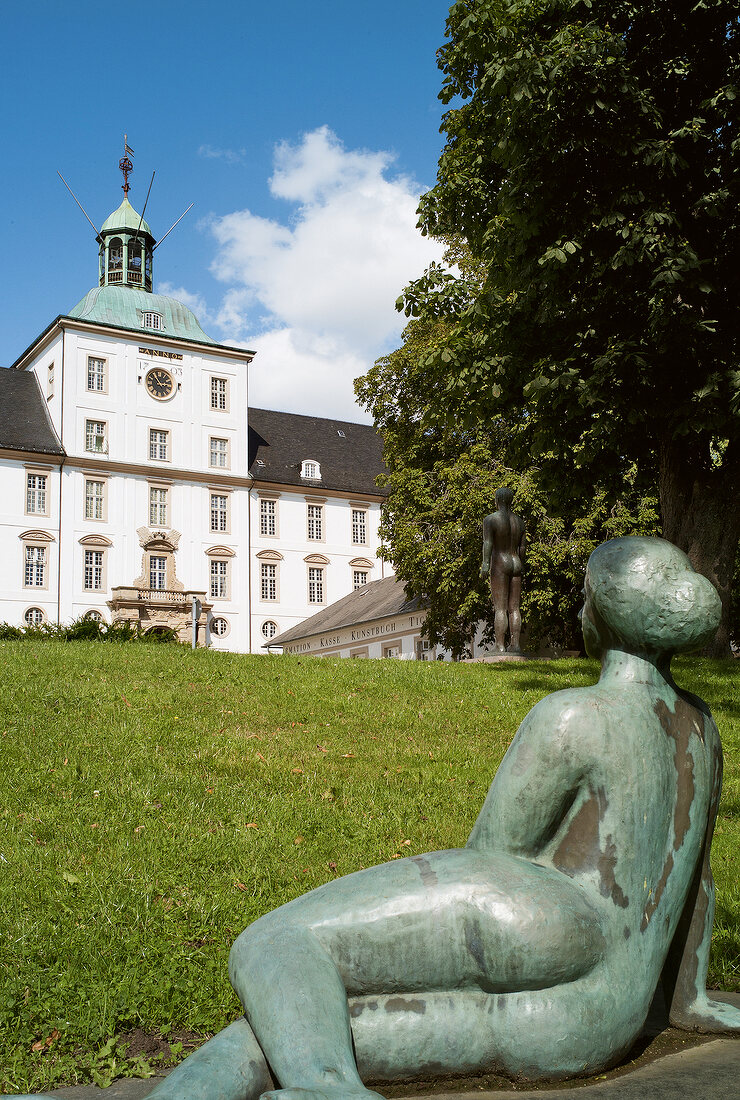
(643, 596)
(504, 497)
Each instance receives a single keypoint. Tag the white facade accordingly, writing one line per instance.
(135, 464)
(260, 557)
(318, 553)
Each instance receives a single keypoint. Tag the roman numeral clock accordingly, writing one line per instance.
(160, 383)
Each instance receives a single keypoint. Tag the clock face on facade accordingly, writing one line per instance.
(159, 383)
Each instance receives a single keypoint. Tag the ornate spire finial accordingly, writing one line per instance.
(125, 164)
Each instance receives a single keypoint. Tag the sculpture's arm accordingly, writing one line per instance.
(537, 781)
(522, 549)
(685, 970)
(487, 547)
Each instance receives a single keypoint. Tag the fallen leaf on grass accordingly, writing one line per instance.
(261, 757)
(125, 700)
(297, 771)
(251, 825)
(42, 1044)
(298, 840)
(346, 755)
(240, 886)
(321, 748)
(332, 866)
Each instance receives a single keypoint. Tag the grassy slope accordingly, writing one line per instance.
(155, 801)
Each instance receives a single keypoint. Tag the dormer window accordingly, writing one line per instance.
(310, 469)
(152, 320)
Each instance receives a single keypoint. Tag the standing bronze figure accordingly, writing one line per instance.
(503, 552)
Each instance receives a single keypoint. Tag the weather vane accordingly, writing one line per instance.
(125, 164)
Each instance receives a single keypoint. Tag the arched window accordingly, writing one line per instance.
(115, 260)
(135, 255)
(311, 469)
(269, 629)
(34, 616)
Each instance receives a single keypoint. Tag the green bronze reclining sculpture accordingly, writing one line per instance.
(535, 950)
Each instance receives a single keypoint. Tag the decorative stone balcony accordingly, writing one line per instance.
(155, 609)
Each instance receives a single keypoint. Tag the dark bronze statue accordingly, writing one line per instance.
(503, 553)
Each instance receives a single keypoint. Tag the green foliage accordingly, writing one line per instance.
(594, 169)
(153, 803)
(441, 483)
(591, 166)
(88, 630)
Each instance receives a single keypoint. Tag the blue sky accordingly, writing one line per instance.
(303, 133)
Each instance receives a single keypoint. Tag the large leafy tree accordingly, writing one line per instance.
(442, 481)
(591, 165)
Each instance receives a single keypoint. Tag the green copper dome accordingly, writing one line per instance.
(133, 309)
(125, 217)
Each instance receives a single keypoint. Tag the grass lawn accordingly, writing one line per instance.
(155, 800)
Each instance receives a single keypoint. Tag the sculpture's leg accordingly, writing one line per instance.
(515, 617)
(685, 970)
(231, 1066)
(500, 596)
(292, 992)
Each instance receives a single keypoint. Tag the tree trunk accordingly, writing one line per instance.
(700, 510)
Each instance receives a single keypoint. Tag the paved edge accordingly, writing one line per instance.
(710, 1071)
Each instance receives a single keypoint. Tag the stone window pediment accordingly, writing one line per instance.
(150, 539)
(95, 540)
(316, 559)
(37, 536)
(220, 552)
(270, 555)
(361, 563)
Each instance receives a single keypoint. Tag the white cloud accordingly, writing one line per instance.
(196, 302)
(314, 294)
(231, 156)
(312, 375)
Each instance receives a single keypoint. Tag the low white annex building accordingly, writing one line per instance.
(378, 620)
(133, 475)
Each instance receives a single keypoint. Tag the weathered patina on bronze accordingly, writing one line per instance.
(503, 554)
(538, 947)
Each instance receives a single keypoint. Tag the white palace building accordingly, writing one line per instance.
(134, 475)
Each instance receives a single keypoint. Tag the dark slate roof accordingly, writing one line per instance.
(350, 455)
(24, 419)
(375, 600)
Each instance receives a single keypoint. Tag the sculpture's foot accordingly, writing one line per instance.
(514, 648)
(709, 1017)
(499, 648)
(326, 1092)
